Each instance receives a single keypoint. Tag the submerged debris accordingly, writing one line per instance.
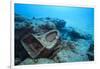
(48, 40)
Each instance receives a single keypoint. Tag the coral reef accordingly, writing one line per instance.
(71, 46)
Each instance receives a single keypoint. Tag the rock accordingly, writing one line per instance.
(69, 56)
(22, 22)
(20, 53)
(44, 61)
(17, 61)
(59, 23)
(19, 18)
(76, 45)
(74, 51)
(40, 27)
(72, 34)
(82, 46)
(77, 34)
(27, 61)
(91, 52)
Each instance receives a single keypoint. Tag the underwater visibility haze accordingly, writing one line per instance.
(53, 34)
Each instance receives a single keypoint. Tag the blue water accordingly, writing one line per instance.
(77, 17)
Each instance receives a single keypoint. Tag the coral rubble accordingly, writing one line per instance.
(50, 42)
